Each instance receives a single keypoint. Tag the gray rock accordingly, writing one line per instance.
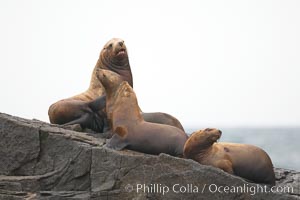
(19, 144)
(50, 162)
(288, 178)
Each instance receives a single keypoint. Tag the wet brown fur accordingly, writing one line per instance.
(111, 81)
(131, 131)
(88, 108)
(243, 160)
(78, 109)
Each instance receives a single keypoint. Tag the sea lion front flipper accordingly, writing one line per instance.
(225, 165)
(116, 142)
(89, 120)
(121, 131)
(98, 103)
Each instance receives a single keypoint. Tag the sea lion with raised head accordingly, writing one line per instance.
(131, 131)
(111, 81)
(247, 161)
(86, 108)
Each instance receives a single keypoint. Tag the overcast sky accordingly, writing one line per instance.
(209, 63)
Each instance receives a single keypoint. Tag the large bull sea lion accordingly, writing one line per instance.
(86, 108)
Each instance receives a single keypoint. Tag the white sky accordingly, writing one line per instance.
(209, 63)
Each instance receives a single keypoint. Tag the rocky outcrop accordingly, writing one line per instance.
(43, 161)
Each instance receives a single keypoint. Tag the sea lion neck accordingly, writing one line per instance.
(131, 112)
(203, 152)
(197, 143)
(119, 66)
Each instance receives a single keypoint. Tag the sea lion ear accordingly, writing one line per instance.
(121, 131)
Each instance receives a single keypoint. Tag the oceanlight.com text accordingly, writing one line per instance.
(251, 189)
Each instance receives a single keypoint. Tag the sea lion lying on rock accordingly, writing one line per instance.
(243, 160)
(131, 131)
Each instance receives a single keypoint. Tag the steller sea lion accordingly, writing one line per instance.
(87, 108)
(111, 81)
(131, 131)
(247, 161)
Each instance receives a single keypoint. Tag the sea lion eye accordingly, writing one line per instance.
(108, 46)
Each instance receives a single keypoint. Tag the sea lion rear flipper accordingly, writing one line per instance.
(116, 143)
(82, 120)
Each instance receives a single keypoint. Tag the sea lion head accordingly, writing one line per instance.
(200, 141)
(114, 54)
(109, 79)
(207, 136)
(114, 57)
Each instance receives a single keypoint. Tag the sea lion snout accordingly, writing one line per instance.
(213, 130)
(121, 43)
(119, 47)
(212, 134)
(116, 47)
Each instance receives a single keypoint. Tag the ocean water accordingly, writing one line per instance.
(282, 144)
